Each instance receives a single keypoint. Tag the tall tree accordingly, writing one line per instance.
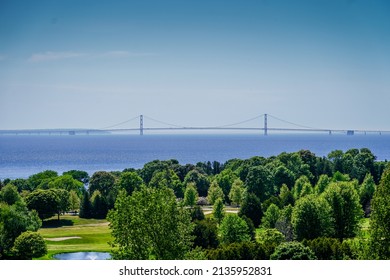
(236, 193)
(380, 216)
(201, 181)
(15, 219)
(346, 210)
(271, 216)
(190, 195)
(9, 194)
(45, 202)
(218, 210)
(85, 207)
(214, 193)
(233, 229)
(251, 207)
(149, 224)
(67, 182)
(260, 182)
(366, 193)
(101, 181)
(312, 218)
(130, 181)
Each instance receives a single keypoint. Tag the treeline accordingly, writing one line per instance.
(294, 205)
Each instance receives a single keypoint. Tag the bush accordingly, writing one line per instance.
(29, 245)
(206, 235)
(293, 251)
(238, 251)
(325, 248)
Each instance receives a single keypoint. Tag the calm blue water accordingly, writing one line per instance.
(83, 256)
(22, 156)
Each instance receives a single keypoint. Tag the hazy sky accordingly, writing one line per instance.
(91, 64)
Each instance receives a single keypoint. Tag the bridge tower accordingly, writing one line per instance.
(141, 125)
(265, 124)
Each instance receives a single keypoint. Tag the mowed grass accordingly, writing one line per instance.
(92, 235)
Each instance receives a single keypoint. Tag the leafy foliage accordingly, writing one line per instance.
(251, 208)
(233, 229)
(293, 251)
(312, 218)
(29, 245)
(380, 217)
(150, 225)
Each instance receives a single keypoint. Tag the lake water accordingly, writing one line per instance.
(22, 156)
(83, 256)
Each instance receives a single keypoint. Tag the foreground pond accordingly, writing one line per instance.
(83, 256)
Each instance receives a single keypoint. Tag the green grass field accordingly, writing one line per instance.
(88, 235)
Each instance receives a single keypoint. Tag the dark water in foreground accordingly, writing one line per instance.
(22, 156)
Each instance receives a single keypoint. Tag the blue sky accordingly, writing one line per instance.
(319, 63)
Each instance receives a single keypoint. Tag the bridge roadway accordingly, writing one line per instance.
(141, 130)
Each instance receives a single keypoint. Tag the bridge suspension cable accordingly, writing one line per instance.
(165, 123)
(118, 124)
(295, 124)
(241, 122)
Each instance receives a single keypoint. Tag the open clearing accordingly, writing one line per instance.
(73, 234)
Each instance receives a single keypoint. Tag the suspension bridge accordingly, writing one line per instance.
(140, 127)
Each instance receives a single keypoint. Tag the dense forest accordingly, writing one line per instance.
(290, 206)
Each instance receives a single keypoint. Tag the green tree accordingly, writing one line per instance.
(15, 219)
(238, 251)
(366, 193)
(270, 238)
(251, 207)
(286, 197)
(271, 216)
(301, 187)
(78, 175)
(149, 224)
(39, 178)
(22, 184)
(225, 180)
(218, 210)
(167, 178)
(67, 183)
(29, 245)
(130, 181)
(214, 193)
(346, 209)
(85, 207)
(293, 251)
(99, 206)
(236, 193)
(312, 218)
(101, 181)
(9, 194)
(380, 216)
(284, 176)
(322, 184)
(45, 202)
(260, 182)
(233, 229)
(284, 224)
(74, 201)
(63, 201)
(201, 181)
(190, 195)
(325, 248)
(206, 234)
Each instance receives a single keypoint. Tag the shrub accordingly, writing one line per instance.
(293, 251)
(238, 251)
(29, 245)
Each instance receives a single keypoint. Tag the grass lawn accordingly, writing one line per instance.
(92, 235)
